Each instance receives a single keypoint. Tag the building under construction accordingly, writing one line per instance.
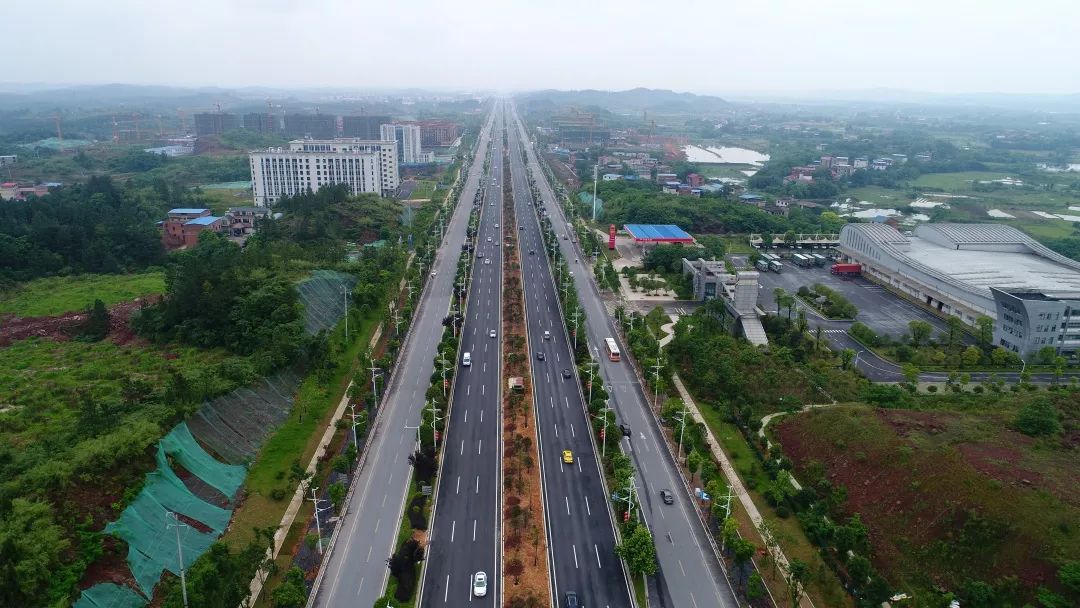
(262, 122)
(363, 127)
(580, 128)
(215, 123)
(315, 126)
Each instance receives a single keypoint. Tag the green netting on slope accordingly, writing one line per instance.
(108, 595)
(179, 444)
(235, 425)
(324, 302)
(143, 525)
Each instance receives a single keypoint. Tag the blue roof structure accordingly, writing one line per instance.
(205, 220)
(750, 196)
(187, 210)
(658, 233)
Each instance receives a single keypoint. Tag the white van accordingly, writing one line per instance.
(466, 359)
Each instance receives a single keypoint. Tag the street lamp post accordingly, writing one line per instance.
(345, 292)
(419, 445)
(856, 363)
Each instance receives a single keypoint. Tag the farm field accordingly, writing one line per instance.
(58, 295)
(951, 496)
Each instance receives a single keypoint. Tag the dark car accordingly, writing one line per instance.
(625, 430)
(667, 496)
(566, 372)
(571, 600)
(539, 356)
(532, 252)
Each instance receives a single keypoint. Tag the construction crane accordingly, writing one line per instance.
(183, 121)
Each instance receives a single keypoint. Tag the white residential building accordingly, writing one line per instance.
(363, 165)
(408, 138)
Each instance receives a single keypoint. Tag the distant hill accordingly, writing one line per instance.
(658, 101)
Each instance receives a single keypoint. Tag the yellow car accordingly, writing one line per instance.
(567, 457)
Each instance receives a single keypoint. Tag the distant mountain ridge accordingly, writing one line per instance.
(663, 101)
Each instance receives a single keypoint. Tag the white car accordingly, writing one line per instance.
(434, 272)
(489, 239)
(496, 225)
(479, 584)
(487, 261)
(492, 333)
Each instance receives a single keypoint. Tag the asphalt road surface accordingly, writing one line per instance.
(465, 535)
(581, 535)
(690, 574)
(355, 573)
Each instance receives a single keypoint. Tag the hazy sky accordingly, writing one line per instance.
(718, 46)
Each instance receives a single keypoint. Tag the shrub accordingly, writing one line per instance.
(1037, 418)
(932, 388)
(278, 494)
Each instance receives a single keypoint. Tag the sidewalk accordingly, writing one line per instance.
(736, 484)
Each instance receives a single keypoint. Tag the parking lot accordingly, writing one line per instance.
(880, 309)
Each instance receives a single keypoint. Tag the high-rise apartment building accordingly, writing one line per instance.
(363, 127)
(407, 136)
(362, 165)
(215, 123)
(315, 126)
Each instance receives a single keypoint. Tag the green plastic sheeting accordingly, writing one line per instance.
(182, 447)
(108, 595)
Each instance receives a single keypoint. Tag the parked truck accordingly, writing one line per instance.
(848, 270)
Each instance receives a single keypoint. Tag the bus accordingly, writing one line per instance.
(775, 266)
(762, 265)
(612, 349)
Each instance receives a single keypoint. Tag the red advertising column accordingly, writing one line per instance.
(611, 237)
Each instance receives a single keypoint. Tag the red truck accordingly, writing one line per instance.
(846, 269)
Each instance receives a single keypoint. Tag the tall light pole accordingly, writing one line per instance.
(435, 419)
(576, 314)
(682, 428)
(345, 292)
(318, 525)
(177, 524)
(374, 385)
(352, 414)
(656, 380)
(855, 364)
(595, 170)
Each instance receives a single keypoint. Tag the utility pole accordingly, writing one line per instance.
(177, 524)
(318, 525)
(592, 364)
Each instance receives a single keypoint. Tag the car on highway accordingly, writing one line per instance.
(547, 335)
(434, 272)
(571, 600)
(492, 333)
(667, 497)
(496, 225)
(480, 255)
(625, 430)
(566, 372)
(487, 261)
(466, 359)
(489, 239)
(479, 584)
(568, 457)
(539, 356)
(532, 252)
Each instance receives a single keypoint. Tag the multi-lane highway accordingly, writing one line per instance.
(690, 574)
(581, 534)
(355, 572)
(464, 537)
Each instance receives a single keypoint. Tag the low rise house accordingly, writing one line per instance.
(695, 180)
(241, 220)
(183, 225)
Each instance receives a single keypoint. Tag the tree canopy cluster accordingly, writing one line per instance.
(219, 296)
(91, 227)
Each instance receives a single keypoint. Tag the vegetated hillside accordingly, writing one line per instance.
(954, 499)
(660, 101)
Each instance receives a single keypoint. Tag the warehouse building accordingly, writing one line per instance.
(971, 270)
(309, 164)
